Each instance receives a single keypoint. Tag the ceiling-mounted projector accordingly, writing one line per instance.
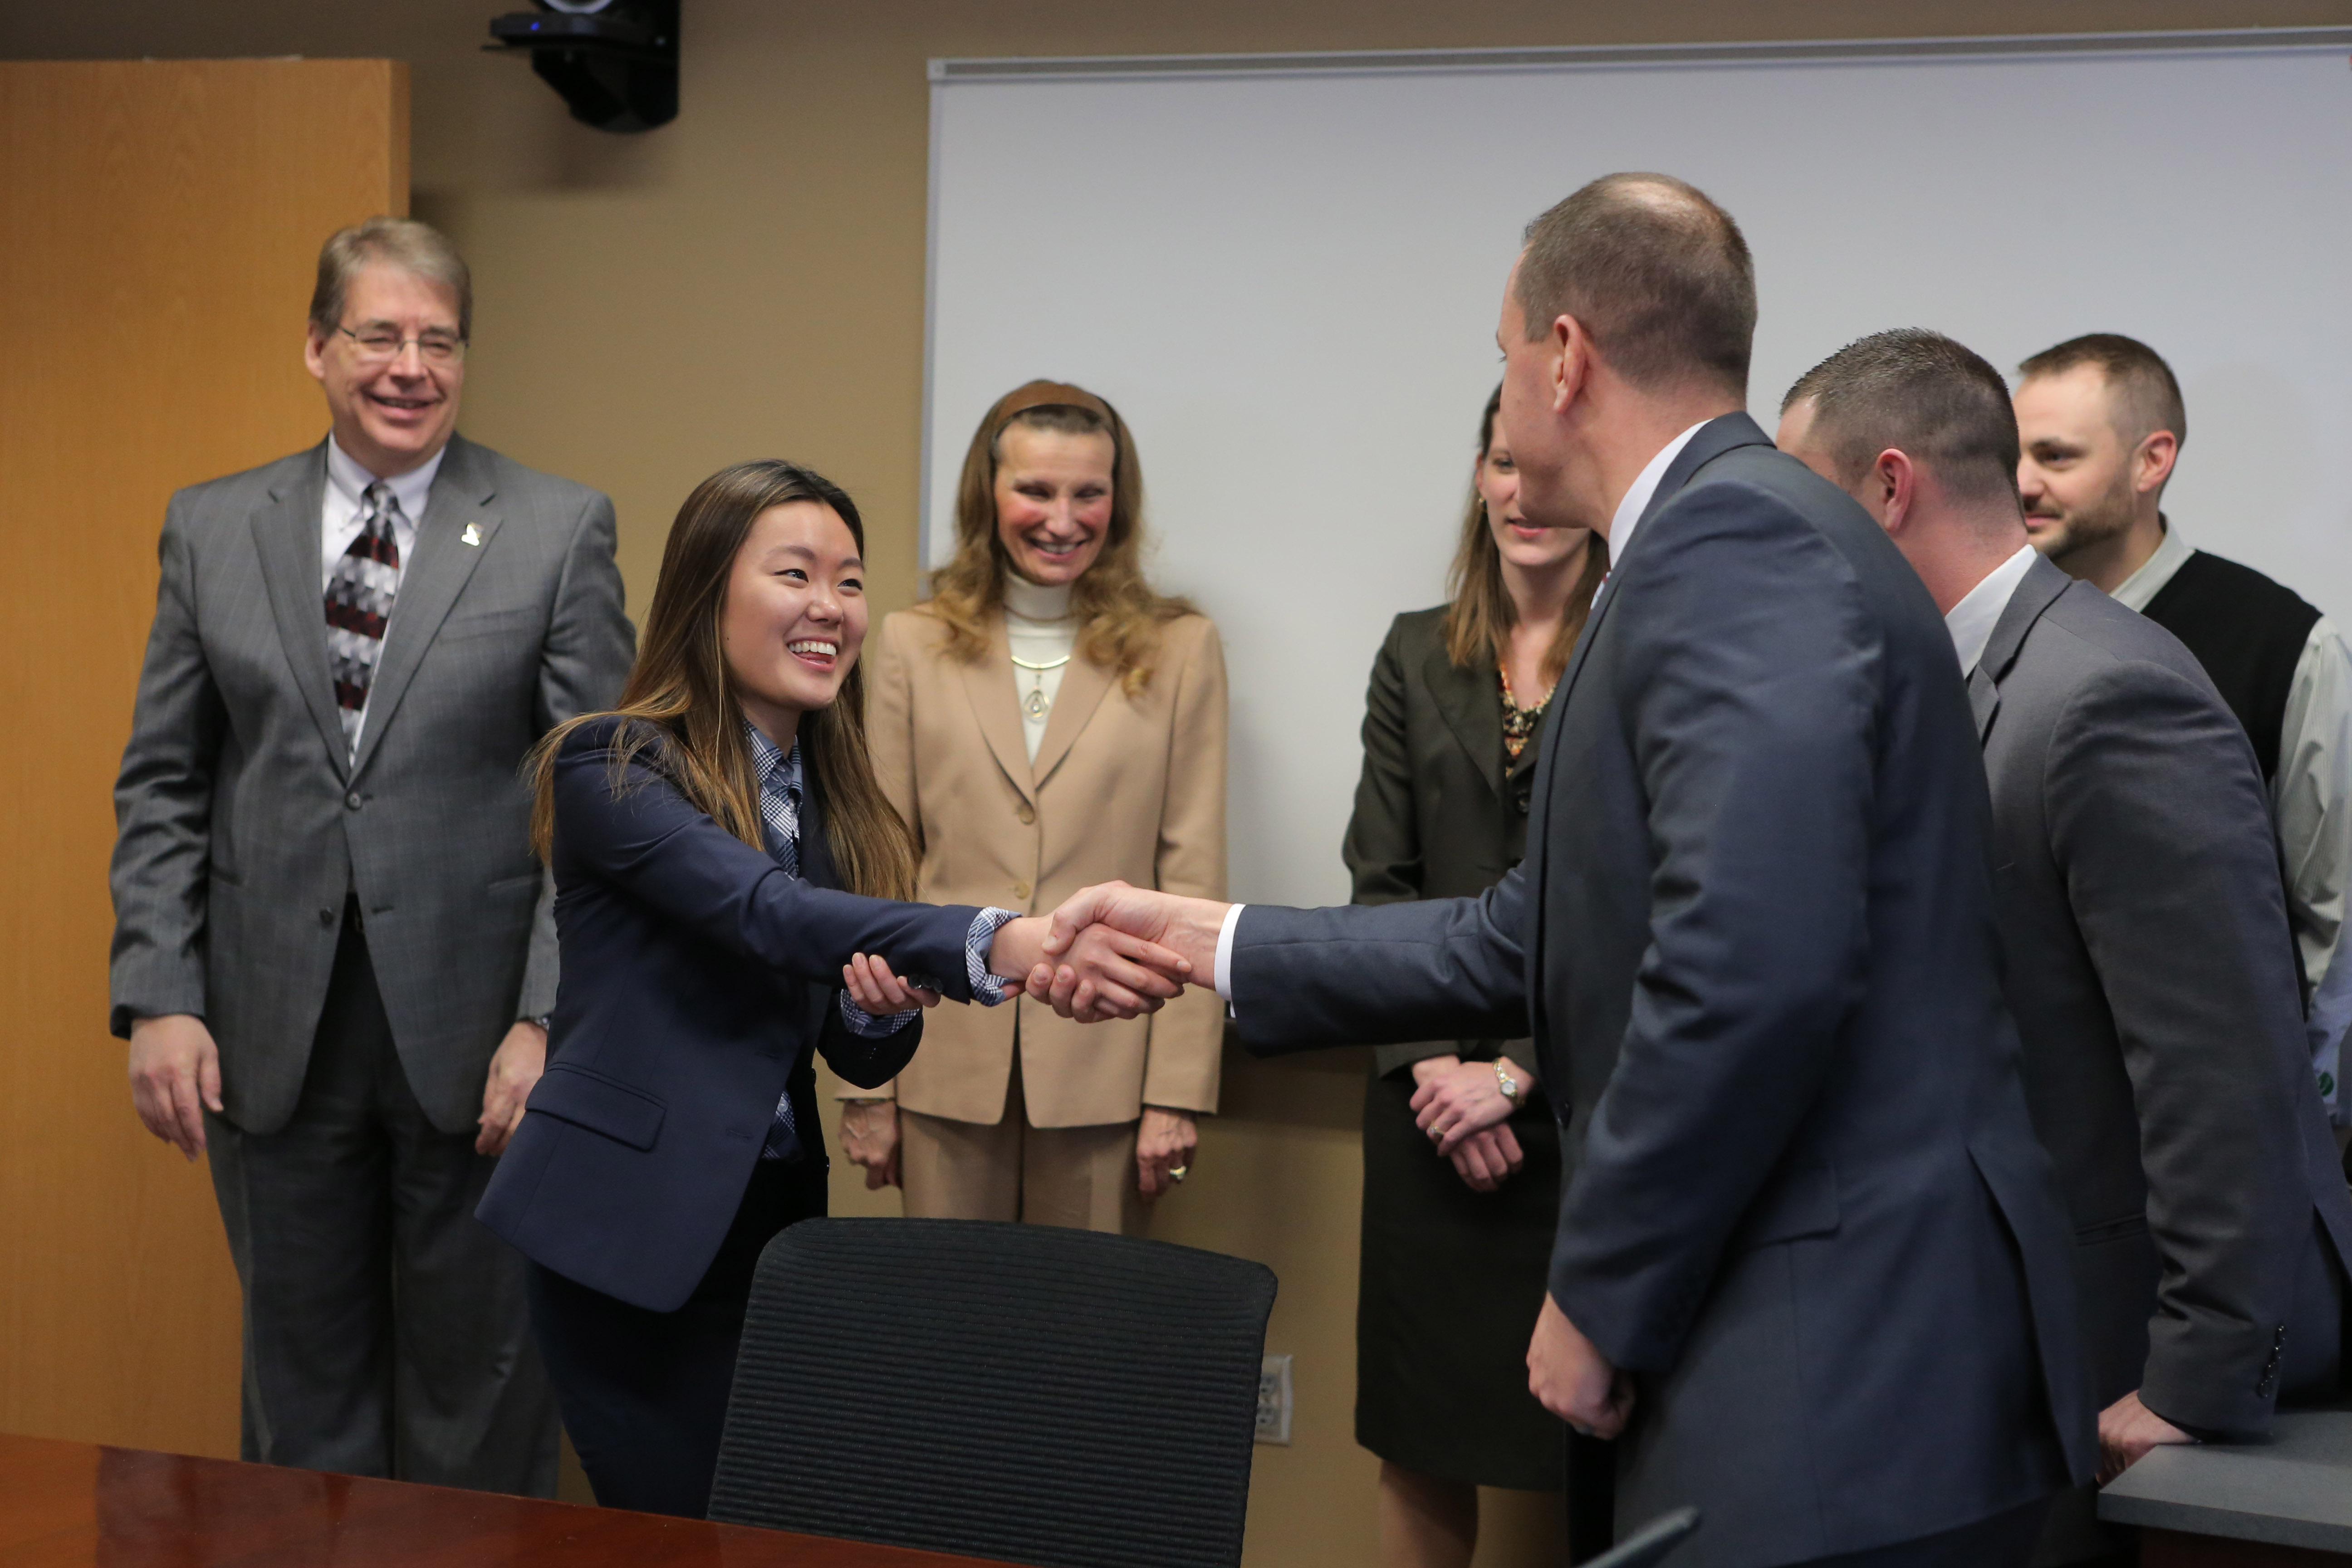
(613, 61)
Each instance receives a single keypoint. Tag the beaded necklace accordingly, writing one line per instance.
(1520, 723)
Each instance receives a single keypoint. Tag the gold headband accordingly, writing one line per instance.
(1050, 394)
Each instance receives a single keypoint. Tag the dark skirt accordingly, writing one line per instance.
(1452, 1282)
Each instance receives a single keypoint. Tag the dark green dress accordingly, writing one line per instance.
(1452, 1278)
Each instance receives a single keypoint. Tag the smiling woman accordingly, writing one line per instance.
(727, 872)
(1047, 722)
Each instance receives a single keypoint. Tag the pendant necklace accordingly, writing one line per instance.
(1034, 704)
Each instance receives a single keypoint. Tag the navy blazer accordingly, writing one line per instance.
(1755, 936)
(696, 976)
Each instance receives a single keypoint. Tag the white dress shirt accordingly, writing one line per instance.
(2311, 796)
(344, 503)
(1039, 629)
(1971, 620)
(1627, 517)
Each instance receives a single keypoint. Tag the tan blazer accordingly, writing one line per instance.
(1123, 787)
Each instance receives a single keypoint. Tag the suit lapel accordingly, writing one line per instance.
(286, 532)
(1471, 704)
(1084, 685)
(988, 682)
(2034, 593)
(441, 561)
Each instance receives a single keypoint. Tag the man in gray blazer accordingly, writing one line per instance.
(1810, 1262)
(2150, 966)
(333, 941)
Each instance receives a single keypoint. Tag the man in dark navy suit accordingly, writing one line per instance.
(1812, 1269)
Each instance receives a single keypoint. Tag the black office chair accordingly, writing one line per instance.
(1654, 1542)
(1015, 1391)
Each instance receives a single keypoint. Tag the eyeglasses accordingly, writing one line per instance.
(379, 347)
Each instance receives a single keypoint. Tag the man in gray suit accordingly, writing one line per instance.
(2150, 966)
(1810, 1262)
(333, 942)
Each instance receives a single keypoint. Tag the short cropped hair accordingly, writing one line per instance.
(401, 242)
(1656, 272)
(1919, 391)
(2147, 396)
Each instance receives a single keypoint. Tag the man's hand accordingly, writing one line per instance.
(1124, 976)
(1458, 1099)
(1181, 935)
(521, 1058)
(1573, 1379)
(1163, 1144)
(2127, 1430)
(174, 1077)
(869, 1139)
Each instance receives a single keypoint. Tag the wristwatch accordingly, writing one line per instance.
(1506, 1083)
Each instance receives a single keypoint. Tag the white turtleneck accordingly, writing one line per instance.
(1039, 627)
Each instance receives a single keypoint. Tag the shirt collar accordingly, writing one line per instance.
(349, 480)
(1645, 485)
(1972, 620)
(2172, 552)
(778, 770)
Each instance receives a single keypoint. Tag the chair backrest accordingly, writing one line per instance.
(1022, 1392)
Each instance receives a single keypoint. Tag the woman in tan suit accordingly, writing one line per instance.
(1046, 722)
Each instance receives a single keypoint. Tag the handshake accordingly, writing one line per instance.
(1112, 950)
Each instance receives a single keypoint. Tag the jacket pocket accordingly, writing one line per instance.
(588, 1099)
(1802, 1203)
(2110, 1230)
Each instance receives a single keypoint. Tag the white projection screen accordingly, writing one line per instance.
(1285, 274)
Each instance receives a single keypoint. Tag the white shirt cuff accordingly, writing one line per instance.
(1225, 978)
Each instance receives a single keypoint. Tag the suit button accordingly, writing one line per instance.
(1020, 890)
(352, 800)
(326, 916)
(1028, 814)
(1525, 798)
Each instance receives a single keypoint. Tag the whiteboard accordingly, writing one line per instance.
(1287, 282)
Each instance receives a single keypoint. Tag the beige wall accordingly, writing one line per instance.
(749, 281)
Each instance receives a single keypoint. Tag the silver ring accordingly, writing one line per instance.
(1178, 1173)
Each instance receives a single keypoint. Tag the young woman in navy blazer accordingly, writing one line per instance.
(727, 874)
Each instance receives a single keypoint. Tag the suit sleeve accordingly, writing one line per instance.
(1749, 671)
(1382, 974)
(2145, 770)
(1184, 1050)
(648, 839)
(583, 666)
(163, 806)
(1382, 849)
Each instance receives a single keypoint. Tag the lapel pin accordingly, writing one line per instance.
(473, 534)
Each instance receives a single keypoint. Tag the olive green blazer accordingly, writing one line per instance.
(1438, 815)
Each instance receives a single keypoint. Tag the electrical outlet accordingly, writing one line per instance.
(1274, 1400)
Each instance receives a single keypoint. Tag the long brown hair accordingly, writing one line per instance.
(682, 702)
(1120, 614)
(1479, 619)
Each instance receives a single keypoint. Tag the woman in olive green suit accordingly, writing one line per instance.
(1456, 1249)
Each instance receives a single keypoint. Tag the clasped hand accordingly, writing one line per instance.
(1118, 952)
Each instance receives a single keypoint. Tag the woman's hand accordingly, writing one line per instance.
(1455, 1102)
(1163, 1148)
(1487, 1160)
(869, 1138)
(879, 993)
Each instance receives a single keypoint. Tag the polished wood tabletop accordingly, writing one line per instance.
(77, 1505)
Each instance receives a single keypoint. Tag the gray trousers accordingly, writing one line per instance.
(385, 1329)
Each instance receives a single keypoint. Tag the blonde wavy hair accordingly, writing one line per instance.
(1121, 614)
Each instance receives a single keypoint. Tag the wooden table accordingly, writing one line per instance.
(77, 1505)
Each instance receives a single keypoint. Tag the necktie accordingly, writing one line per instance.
(359, 602)
(782, 814)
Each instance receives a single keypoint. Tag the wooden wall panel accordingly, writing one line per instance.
(159, 224)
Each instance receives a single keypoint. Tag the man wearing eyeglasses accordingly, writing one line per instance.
(333, 942)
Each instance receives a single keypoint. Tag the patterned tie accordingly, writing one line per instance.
(782, 814)
(359, 602)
